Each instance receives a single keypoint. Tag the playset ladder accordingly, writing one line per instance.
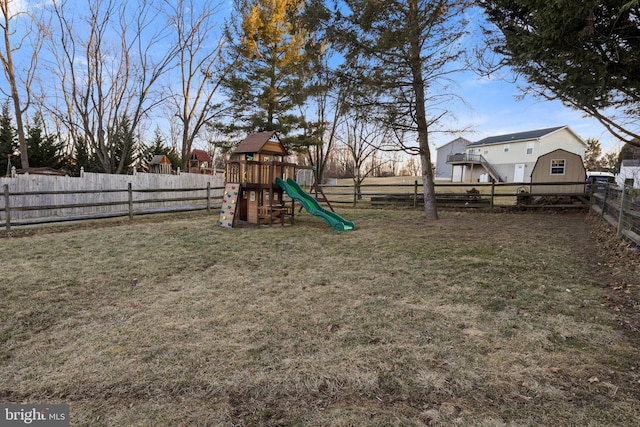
(229, 207)
(317, 192)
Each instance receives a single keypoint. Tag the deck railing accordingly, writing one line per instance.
(258, 172)
(465, 158)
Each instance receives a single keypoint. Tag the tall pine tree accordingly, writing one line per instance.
(399, 56)
(272, 52)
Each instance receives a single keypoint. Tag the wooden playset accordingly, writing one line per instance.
(251, 193)
(257, 178)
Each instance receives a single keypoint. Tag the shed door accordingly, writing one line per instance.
(518, 174)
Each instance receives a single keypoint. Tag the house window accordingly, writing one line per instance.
(505, 148)
(529, 148)
(558, 166)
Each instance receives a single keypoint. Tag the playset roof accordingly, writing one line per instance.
(256, 142)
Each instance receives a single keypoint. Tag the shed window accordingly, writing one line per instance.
(558, 166)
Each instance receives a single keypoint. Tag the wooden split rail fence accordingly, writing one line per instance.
(620, 208)
(29, 200)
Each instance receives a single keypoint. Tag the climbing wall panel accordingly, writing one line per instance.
(229, 208)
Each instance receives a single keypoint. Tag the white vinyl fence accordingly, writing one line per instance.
(33, 199)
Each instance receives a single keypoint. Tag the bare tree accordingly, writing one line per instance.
(109, 63)
(412, 168)
(399, 57)
(200, 65)
(328, 104)
(23, 35)
(362, 142)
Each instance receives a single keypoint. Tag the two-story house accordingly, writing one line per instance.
(511, 157)
(457, 146)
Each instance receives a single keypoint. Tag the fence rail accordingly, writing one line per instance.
(43, 199)
(39, 200)
(465, 195)
(619, 207)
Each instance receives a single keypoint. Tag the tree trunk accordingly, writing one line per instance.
(430, 209)
(22, 141)
(15, 97)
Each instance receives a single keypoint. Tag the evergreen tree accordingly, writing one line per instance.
(125, 147)
(628, 152)
(8, 142)
(158, 147)
(82, 158)
(44, 150)
(398, 59)
(272, 54)
(583, 53)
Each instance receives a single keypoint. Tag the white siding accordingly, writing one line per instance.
(504, 161)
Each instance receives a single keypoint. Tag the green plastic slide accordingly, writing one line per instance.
(313, 207)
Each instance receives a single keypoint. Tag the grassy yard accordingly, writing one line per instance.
(478, 319)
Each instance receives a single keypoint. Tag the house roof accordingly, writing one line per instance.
(519, 136)
(200, 155)
(459, 140)
(255, 142)
(630, 162)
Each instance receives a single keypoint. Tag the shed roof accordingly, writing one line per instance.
(518, 136)
(159, 159)
(255, 143)
(630, 162)
(559, 151)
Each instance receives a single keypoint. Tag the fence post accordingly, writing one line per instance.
(130, 191)
(625, 203)
(7, 208)
(209, 197)
(493, 193)
(604, 198)
(415, 194)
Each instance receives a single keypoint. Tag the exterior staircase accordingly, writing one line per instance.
(474, 159)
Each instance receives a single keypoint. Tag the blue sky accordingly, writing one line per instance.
(490, 106)
(494, 110)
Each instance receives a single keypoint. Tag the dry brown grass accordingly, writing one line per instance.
(484, 319)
